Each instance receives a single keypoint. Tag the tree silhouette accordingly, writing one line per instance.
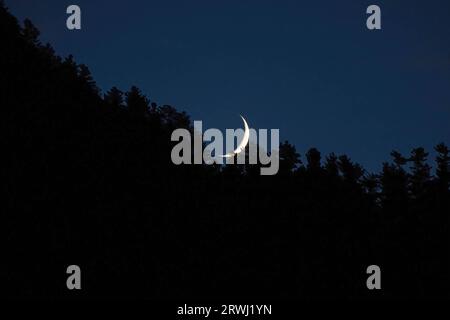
(420, 175)
(30, 32)
(114, 97)
(89, 179)
(442, 168)
(137, 103)
(289, 158)
(331, 165)
(351, 172)
(313, 160)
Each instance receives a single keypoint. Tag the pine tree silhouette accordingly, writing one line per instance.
(114, 97)
(89, 179)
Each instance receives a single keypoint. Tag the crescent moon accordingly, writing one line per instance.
(243, 144)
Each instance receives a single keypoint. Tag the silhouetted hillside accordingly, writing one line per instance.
(89, 181)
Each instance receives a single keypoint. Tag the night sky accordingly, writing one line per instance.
(310, 68)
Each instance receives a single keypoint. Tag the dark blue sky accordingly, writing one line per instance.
(310, 68)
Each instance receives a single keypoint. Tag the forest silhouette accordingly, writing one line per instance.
(89, 181)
